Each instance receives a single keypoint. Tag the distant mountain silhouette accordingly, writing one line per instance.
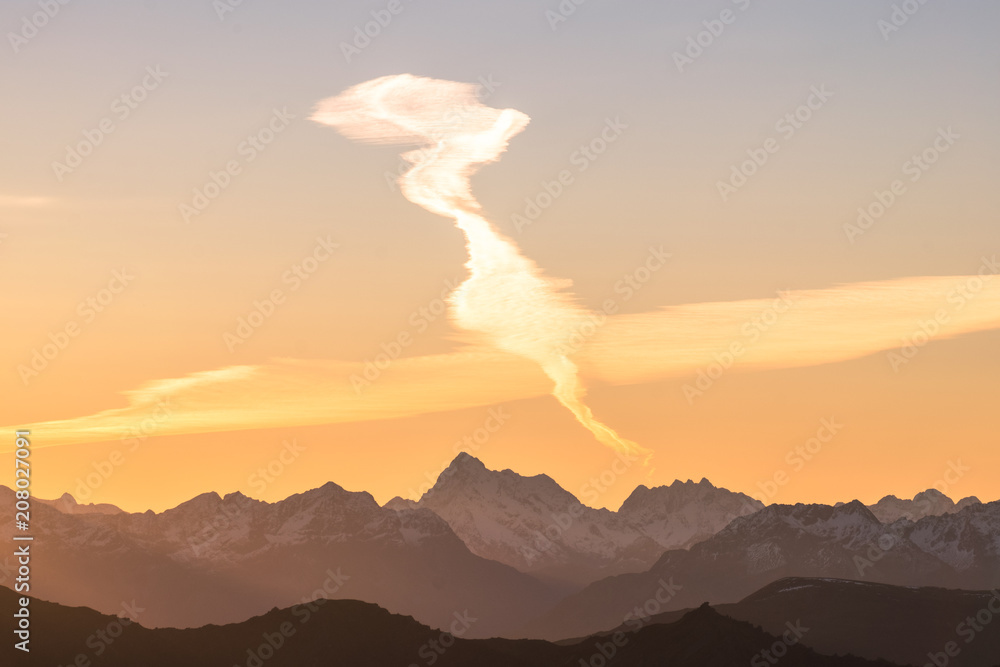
(536, 526)
(958, 550)
(218, 560)
(926, 503)
(896, 623)
(67, 504)
(347, 632)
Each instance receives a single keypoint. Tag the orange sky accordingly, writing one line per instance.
(139, 310)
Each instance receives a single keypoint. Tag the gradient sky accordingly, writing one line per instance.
(656, 185)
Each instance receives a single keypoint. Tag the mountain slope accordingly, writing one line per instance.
(877, 621)
(899, 624)
(347, 632)
(67, 505)
(968, 540)
(216, 560)
(685, 513)
(534, 525)
(845, 542)
(926, 503)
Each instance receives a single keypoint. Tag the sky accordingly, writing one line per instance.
(201, 278)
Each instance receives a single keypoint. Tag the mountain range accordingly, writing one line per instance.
(960, 550)
(216, 560)
(534, 525)
(926, 503)
(521, 554)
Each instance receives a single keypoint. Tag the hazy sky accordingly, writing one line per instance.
(310, 214)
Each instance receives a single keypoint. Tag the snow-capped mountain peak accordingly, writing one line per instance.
(535, 525)
(931, 502)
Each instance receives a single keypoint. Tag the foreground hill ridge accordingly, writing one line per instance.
(360, 633)
(904, 625)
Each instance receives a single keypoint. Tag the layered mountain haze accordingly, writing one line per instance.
(521, 554)
(67, 504)
(536, 526)
(955, 550)
(968, 541)
(685, 513)
(215, 559)
(901, 624)
(348, 632)
(926, 503)
(658, 265)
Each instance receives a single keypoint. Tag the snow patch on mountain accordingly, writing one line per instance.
(926, 503)
(536, 526)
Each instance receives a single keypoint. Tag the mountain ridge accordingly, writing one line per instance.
(960, 550)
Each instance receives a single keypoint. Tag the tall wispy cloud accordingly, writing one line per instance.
(506, 297)
(821, 326)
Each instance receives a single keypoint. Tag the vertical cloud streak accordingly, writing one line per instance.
(506, 298)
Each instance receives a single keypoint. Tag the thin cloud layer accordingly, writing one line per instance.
(818, 327)
(506, 297)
